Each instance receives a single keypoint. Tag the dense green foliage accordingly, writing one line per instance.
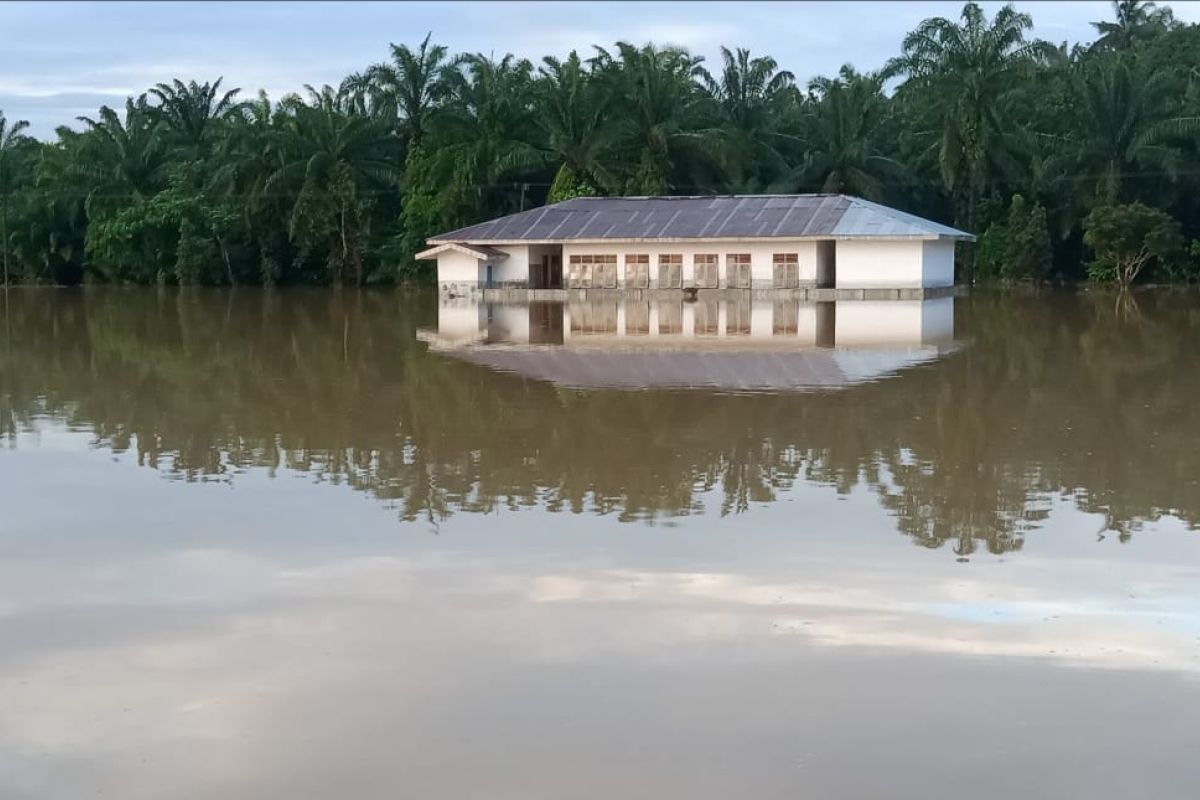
(1016, 247)
(191, 183)
(1128, 238)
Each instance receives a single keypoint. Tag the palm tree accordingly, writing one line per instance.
(247, 156)
(658, 109)
(1125, 122)
(191, 111)
(1136, 21)
(748, 98)
(844, 116)
(574, 112)
(12, 147)
(967, 76)
(335, 161)
(120, 159)
(412, 85)
(489, 135)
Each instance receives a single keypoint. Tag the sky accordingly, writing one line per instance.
(62, 60)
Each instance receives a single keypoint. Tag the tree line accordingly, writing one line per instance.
(1070, 163)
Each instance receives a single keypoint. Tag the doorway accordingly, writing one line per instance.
(826, 264)
(546, 272)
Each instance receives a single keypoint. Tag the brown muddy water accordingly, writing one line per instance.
(306, 544)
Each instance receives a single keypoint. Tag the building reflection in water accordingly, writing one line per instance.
(741, 344)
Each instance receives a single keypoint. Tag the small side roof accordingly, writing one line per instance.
(766, 216)
(480, 252)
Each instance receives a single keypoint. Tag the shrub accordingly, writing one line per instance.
(1017, 247)
(1126, 239)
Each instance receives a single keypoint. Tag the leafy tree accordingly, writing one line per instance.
(488, 137)
(657, 109)
(1017, 247)
(1136, 21)
(969, 75)
(334, 160)
(413, 86)
(1127, 238)
(843, 120)
(575, 115)
(192, 113)
(1123, 125)
(749, 96)
(121, 159)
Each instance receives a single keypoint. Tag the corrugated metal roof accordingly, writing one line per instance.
(729, 216)
(864, 218)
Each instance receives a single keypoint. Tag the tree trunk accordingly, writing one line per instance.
(4, 238)
(225, 257)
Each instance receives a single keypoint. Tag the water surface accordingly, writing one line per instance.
(303, 544)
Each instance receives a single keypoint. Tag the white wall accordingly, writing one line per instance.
(514, 269)
(878, 264)
(507, 322)
(937, 321)
(938, 269)
(856, 323)
(871, 322)
(460, 319)
(455, 267)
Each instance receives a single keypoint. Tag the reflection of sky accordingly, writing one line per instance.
(276, 638)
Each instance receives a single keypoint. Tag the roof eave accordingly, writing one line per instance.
(895, 237)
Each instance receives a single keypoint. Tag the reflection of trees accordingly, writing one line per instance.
(1055, 396)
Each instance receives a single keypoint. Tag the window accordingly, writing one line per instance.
(705, 269)
(637, 318)
(785, 270)
(785, 318)
(670, 316)
(737, 318)
(704, 317)
(637, 271)
(737, 270)
(588, 271)
(595, 316)
(670, 271)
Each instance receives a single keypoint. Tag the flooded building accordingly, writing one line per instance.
(814, 246)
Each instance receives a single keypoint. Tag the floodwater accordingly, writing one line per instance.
(310, 544)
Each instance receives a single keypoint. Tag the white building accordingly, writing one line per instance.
(815, 246)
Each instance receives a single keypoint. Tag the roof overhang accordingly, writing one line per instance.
(479, 251)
